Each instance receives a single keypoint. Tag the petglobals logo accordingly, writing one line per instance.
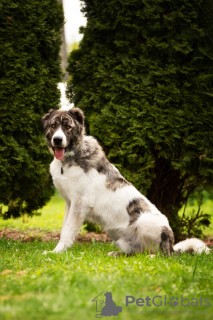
(159, 301)
(105, 306)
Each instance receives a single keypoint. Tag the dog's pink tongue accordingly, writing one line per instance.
(59, 153)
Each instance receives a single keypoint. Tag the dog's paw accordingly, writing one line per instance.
(151, 256)
(114, 253)
(46, 252)
(61, 247)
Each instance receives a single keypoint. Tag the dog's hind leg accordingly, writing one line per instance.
(167, 241)
(115, 253)
(155, 233)
(127, 247)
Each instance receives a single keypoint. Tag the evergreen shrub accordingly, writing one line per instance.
(30, 38)
(143, 75)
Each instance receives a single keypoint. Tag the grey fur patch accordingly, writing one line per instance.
(88, 156)
(131, 237)
(91, 156)
(135, 243)
(115, 234)
(189, 250)
(135, 208)
(116, 182)
(128, 235)
(167, 241)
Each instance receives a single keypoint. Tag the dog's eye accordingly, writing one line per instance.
(67, 126)
(52, 125)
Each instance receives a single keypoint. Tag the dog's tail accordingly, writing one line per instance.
(191, 245)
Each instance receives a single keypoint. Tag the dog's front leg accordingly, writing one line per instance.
(71, 227)
(67, 210)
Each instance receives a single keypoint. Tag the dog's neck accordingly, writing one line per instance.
(72, 154)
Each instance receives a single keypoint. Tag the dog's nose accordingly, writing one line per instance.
(57, 141)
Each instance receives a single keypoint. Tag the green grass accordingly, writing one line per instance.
(51, 217)
(62, 286)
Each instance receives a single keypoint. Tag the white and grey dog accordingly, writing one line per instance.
(94, 190)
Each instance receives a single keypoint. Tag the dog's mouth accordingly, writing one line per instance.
(59, 152)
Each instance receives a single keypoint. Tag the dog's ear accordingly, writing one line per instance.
(45, 118)
(77, 114)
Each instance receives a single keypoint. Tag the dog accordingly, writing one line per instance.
(94, 190)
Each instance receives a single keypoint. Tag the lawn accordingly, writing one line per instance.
(62, 286)
(50, 218)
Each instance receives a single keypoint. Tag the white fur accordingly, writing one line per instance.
(87, 197)
(192, 244)
(60, 134)
(150, 228)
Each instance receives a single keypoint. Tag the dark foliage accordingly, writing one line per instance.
(143, 75)
(30, 69)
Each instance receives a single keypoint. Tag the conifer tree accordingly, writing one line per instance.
(143, 75)
(30, 37)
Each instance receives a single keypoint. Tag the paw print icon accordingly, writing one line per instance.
(174, 301)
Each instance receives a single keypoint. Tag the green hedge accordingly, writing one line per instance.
(143, 75)
(30, 38)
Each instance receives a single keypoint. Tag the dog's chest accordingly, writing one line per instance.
(60, 179)
(71, 182)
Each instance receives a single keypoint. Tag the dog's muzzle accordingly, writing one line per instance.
(57, 141)
(58, 149)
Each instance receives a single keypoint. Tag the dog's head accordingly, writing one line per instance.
(63, 131)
